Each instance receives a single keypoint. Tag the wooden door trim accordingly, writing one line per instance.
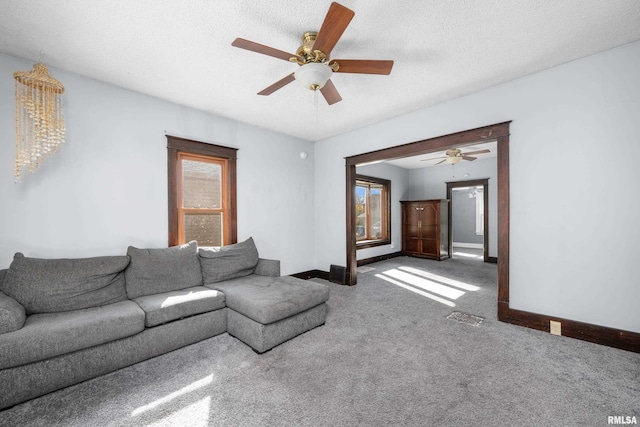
(471, 183)
(499, 132)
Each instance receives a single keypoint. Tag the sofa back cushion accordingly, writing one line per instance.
(228, 262)
(54, 285)
(153, 271)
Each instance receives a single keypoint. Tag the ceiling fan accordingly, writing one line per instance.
(313, 57)
(455, 155)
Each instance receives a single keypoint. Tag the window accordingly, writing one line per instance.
(373, 211)
(202, 193)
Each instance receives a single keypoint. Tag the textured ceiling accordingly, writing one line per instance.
(181, 51)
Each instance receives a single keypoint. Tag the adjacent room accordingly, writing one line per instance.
(318, 214)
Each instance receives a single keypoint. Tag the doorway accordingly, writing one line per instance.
(474, 183)
(498, 132)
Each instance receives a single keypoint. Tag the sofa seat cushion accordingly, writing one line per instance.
(53, 285)
(168, 306)
(153, 271)
(51, 334)
(269, 299)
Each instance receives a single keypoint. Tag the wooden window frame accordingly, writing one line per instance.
(385, 220)
(224, 200)
(178, 148)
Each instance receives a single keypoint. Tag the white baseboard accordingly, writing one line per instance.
(468, 245)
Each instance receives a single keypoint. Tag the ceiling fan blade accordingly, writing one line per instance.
(330, 93)
(260, 48)
(277, 85)
(364, 66)
(471, 159)
(336, 21)
(477, 152)
(433, 158)
(442, 161)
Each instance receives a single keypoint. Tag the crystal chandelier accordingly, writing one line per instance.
(40, 125)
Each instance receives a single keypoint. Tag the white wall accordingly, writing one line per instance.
(399, 178)
(106, 188)
(431, 183)
(574, 152)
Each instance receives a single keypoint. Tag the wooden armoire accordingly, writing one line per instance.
(425, 228)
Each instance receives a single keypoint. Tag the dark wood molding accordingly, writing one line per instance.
(611, 337)
(352, 275)
(203, 148)
(172, 188)
(177, 145)
(372, 243)
(378, 258)
(492, 260)
(386, 214)
(458, 139)
(438, 143)
(233, 200)
(503, 219)
(485, 197)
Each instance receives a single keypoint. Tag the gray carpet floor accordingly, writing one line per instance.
(388, 355)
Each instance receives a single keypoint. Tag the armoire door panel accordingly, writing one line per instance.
(411, 245)
(429, 231)
(430, 247)
(412, 231)
(413, 214)
(430, 215)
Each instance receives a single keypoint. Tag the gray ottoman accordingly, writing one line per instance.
(267, 311)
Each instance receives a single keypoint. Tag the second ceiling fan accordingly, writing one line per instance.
(455, 155)
(313, 57)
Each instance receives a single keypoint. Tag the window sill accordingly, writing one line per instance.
(371, 243)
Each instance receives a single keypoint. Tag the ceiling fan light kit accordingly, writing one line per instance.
(453, 160)
(313, 75)
(313, 57)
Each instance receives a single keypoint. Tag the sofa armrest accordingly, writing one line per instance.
(12, 314)
(268, 267)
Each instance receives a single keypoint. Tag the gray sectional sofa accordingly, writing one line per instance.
(64, 321)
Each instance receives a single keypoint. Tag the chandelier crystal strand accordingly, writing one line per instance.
(40, 126)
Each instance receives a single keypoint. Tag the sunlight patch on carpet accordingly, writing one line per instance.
(423, 283)
(440, 279)
(415, 290)
(365, 269)
(469, 319)
(175, 395)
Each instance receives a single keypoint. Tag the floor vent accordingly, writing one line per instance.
(469, 319)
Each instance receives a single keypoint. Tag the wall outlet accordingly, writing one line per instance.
(555, 327)
(392, 245)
